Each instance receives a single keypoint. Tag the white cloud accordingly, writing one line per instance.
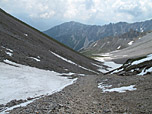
(47, 15)
(88, 11)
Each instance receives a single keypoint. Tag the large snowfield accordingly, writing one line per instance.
(20, 82)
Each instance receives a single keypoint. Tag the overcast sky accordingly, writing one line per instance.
(44, 14)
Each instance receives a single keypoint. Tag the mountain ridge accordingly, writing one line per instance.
(78, 36)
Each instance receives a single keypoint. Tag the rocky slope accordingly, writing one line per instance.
(79, 36)
(25, 45)
(135, 66)
(142, 47)
(106, 94)
(109, 44)
(88, 95)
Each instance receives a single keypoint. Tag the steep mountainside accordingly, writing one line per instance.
(25, 45)
(142, 47)
(109, 44)
(78, 36)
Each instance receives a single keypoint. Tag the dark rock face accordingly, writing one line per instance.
(79, 36)
(23, 44)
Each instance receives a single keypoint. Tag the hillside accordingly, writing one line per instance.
(109, 44)
(25, 45)
(34, 65)
(79, 36)
(142, 47)
(42, 76)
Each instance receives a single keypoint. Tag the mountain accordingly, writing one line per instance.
(140, 48)
(22, 44)
(31, 65)
(112, 43)
(79, 36)
(136, 59)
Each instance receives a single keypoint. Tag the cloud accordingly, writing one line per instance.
(86, 11)
(47, 15)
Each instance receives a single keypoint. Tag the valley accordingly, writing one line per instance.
(39, 75)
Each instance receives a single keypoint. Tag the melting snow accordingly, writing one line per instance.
(111, 65)
(141, 29)
(71, 62)
(118, 47)
(16, 106)
(105, 88)
(106, 54)
(145, 71)
(101, 69)
(25, 34)
(149, 57)
(7, 49)
(8, 53)
(130, 43)
(23, 81)
(36, 59)
(94, 44)
(10, 62)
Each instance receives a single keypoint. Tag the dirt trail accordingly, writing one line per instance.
(84, 97)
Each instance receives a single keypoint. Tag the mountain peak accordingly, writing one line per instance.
(78, 36)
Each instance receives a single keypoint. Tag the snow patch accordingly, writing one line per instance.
(94, 44)
(11, 63)
(101, 69)
(141, 29)
(105, 88)
(149, 57)
(23, 81)
(8, 53)
(111, 65)
(118, 47)
(25, 34)
(145, 71)
(131, 42)
(71, 62)
(36, 59)
(16, 106)
(7, 49)
(106, 54)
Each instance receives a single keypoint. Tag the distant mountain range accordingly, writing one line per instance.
(79, 36)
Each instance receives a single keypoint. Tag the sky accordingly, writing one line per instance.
(44, 14)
